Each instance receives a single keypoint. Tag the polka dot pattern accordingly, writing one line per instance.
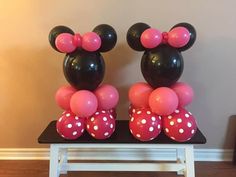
(181, 125)
(145, 125)
(69, 126)
(143, 121)
(101, 125)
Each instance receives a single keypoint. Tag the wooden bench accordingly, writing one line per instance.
(121, 139)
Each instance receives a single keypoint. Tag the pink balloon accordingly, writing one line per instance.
(63, 96)
(163, 101)
(83, 103)
(65, 43)
(184, 92)
(151, 38)
(180, 126)
(91, 41)
(178, 37)
(101, 125)
(145, 125)
(69, 126)
(139, 94)
(78, 40)
(107, 96)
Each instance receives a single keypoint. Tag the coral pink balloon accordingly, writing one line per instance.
(151, 38)
(83, 103)
(145, 125)
(107, 96)
(163, 101)
(91, 41)
(78, 40)
(180, 125)
(184, 92)
(101, 125)
(69, 126)
(65, 43)
(63, 96)
(178, 37)
(139, 94)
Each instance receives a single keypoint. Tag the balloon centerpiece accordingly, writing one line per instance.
(162, 96)
(88, 104)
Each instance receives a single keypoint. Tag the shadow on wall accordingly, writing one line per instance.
(230, 137)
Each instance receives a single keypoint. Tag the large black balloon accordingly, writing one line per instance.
(133, 36)
(162, 66)
(84, 70)
(108, 37)
(55, 32)
(193, 35)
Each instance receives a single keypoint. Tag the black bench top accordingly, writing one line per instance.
(121, 135)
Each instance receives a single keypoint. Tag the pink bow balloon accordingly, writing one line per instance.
(177, 37)
(68, 43)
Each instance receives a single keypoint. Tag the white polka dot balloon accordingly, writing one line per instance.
(180, 125)
(131, 110)
(101, 125)
(70, 126)
(145, 125)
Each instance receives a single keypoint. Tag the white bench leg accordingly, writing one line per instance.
(189, 160)
(180, 159)
(54, 165)
(63, 160)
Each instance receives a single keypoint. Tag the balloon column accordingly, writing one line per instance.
(159, 103)
(88, 104)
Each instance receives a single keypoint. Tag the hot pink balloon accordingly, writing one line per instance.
(91, 41)
(107, 96)
(139, 94)
(101, 125)
(180, 125)
(83, 103)
(163, 101)
(151, 38)
(178, 37)
(78, 40)
(65, 43)
(63, 96)
(70, 126)
(145, 125)
(184, 92)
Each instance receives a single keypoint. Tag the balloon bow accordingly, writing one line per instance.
(67, 43)
(176, 37)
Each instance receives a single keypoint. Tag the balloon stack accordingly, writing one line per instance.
(159, 104)
(88, 104)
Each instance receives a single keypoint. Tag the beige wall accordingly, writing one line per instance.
(31, 72)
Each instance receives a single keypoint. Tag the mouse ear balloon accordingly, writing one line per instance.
(192, 32)
(56, 31)
(108, 37)
(133, 36)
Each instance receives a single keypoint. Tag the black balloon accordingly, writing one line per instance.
(133, 36)
(162, 66)
(84, 70)
(108, 37)
(55, 32)
(193, 35)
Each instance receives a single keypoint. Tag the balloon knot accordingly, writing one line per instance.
(164, 37)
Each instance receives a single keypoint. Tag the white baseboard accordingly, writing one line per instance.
(115, 154)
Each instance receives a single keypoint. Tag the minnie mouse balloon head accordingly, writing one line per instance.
(83, 66)
(162, 63)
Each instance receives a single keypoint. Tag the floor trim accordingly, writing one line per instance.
(115, 154)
